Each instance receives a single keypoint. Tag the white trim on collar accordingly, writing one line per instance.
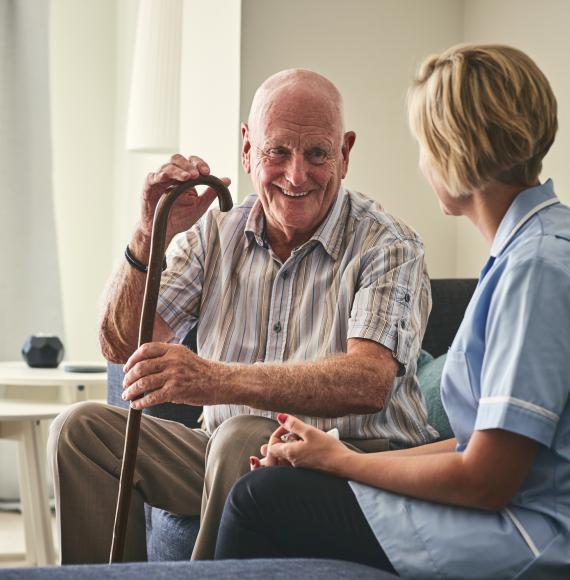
(523, 221)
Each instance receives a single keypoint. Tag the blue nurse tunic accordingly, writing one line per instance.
(508, 368)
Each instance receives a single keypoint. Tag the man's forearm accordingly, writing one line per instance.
(331, 387)
(118, 330)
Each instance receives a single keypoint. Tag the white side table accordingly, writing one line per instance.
(73, 387)
(22, 422)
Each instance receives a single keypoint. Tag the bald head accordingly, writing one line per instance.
(297, 87)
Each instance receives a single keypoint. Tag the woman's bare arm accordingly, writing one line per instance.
(485, 476)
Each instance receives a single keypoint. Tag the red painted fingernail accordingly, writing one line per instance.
(252, 460)
(282, 417)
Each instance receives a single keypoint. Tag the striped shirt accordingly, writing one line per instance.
(362, 274)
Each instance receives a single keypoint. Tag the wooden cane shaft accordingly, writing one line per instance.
(125, 485)
(146, 328)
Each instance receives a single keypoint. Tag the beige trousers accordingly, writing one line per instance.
(181, 470)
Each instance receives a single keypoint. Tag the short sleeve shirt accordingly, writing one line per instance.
(508, 368)
(361, 275)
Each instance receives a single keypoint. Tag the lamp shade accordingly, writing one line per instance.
(154, 101)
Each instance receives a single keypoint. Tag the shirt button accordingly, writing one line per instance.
(285, 275)
(407, 297)
(403, 323)
(277, 327)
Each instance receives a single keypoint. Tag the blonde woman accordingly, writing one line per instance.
(495, 501)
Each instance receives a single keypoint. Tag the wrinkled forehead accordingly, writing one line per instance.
(296, 110)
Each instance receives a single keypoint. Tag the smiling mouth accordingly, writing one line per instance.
(295, 194)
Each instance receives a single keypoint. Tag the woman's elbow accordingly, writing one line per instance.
(490, 496)
(492, 503)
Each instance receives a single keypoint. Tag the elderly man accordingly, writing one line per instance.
(309, 299)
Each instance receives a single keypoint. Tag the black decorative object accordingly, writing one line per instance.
(43, 351)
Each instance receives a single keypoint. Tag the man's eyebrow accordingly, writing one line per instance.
(274, 142)
(286, 144)
(319, 145)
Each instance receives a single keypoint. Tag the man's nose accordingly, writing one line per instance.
(297, 170)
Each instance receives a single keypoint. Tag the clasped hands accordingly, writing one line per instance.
(296, 444)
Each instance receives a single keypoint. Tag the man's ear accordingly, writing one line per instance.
(347, 143)
(245, 148)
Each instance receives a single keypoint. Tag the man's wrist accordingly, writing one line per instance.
(223, 375)
(241, 384)
(139, 245)
(138, 265)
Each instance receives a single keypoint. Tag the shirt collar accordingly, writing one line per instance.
(526, 204)
(255, 224)
(328, 234)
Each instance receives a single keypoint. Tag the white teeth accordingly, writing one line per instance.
(292, 194)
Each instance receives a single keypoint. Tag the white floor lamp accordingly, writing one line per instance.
(154, 103)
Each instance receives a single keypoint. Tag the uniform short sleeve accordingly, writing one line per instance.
(181, 283)
(525, 378)
(392, 303)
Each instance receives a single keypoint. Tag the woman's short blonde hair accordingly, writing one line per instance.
(482, 113)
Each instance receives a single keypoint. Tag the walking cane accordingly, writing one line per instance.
(145, 335)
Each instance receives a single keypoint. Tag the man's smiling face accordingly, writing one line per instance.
(296, 154)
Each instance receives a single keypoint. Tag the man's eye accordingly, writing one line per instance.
(317, 156)
(277, 152)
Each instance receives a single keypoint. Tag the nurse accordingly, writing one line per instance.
(494, 502)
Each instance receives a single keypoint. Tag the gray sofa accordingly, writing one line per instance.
(219, 570)
(171, 538)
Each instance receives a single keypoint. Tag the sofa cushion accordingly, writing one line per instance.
(218, 570)
(429, 377)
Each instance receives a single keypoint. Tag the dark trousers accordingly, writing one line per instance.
(283, 512)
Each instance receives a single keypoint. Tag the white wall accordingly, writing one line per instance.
(97, 182)
(209, 103)
(130, 168)
(541, 30)
(82, 59)
(369, 49)
(210, 85)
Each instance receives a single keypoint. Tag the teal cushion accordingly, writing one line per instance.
(429, 377)
(423, 359)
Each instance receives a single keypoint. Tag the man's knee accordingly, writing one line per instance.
(75, 425)
(239, 437)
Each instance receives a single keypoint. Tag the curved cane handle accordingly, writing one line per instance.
(157, 245)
